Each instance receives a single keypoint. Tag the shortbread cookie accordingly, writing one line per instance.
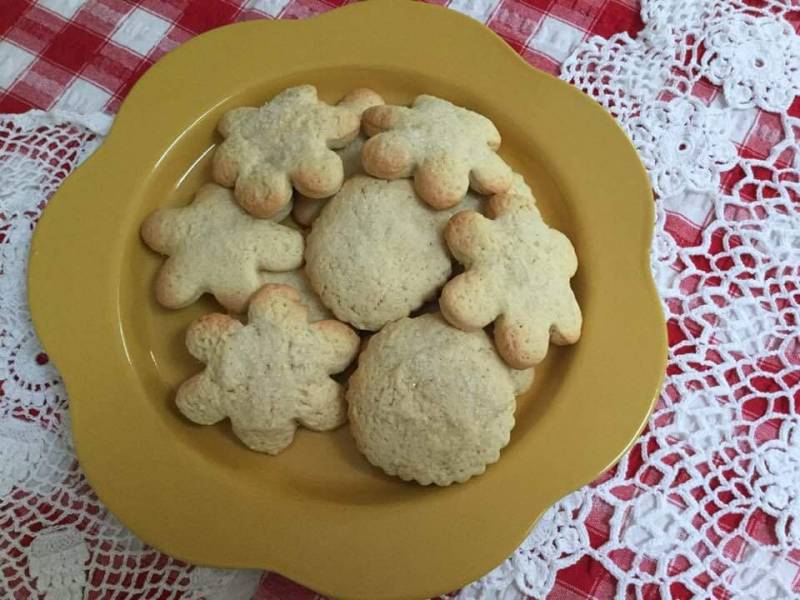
(447, 149)
(377, 252)
(307, 209)
(297, 279)
(517, 272)
(270, 375)
(429, 402)
(522, 379)
(287, 142)
(214, 246)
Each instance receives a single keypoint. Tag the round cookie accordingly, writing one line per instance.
(429, 402)
(377, 251)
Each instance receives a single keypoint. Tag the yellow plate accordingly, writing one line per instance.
(319, 513)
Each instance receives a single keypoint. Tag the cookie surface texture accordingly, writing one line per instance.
(429, 402)
(517, 272)
(522, 379)
(289, 141)
(215, 247)
(307, 209)
(446, 148)
(298, 280)
(270, 375)
(377, 252)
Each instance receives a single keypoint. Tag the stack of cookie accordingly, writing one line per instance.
(393, 201)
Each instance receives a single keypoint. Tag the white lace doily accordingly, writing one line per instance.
(708, 502)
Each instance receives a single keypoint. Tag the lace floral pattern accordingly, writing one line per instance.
(57, 540)
(707, 504)
(756, 60)
(555, 542)
(56, 559)
(683, 144)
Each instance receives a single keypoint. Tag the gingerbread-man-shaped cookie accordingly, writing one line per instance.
(517, 272)
(287, 142)
(445, 147)
(305, 210)
(270, 375)
(216, 247)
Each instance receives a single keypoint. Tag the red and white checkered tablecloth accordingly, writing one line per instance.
(84, 56)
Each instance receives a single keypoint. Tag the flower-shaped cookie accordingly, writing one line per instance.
(447, 148)
(287, 142)
(270, 375)
(517, 272)
(298, 280)
(216, 247)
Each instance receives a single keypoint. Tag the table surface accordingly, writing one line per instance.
(84, 56)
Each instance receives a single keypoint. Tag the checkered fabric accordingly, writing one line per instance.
(84, 56)
(754, 132)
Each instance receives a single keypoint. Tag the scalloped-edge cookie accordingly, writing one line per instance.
(431, 403)
(377, 252)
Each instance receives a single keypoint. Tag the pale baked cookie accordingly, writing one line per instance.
(430, 402)
(445, 147)
(307, 209)
(214, 246)
(287, 142)
(517, 272)
(377, 252)
(270, 375)
(297, 279)
(522, 379)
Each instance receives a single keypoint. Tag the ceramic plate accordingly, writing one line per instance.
(319, 513)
